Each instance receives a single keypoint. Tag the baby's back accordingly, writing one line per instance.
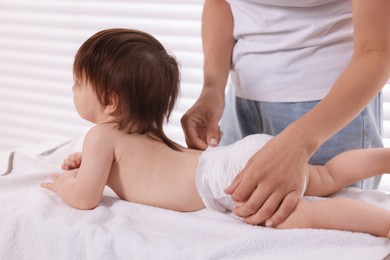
(149, 172)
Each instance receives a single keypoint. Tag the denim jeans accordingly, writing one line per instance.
(247, 117)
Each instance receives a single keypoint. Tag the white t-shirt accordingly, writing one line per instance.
(290, 50)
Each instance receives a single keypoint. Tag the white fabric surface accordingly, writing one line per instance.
(36, 224)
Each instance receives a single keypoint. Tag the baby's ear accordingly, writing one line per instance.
(112, 104)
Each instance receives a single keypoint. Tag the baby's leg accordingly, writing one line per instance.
(340, 214)
(345, 169)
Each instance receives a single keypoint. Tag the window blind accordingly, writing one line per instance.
(40, 38)
(386, 115)
(37, 45)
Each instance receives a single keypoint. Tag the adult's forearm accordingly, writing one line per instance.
(354, 89)
(360, 81)
(218, 42)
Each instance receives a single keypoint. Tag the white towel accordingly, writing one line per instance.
(37, 224)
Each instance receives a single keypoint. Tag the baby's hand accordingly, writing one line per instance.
(60, 181)
(72, 162)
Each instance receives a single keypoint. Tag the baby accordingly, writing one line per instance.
(127, 84)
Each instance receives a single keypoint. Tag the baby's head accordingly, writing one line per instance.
(133, 69)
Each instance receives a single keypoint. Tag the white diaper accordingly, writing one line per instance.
(219, 166)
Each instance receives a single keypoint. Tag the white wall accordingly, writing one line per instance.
(39, 40)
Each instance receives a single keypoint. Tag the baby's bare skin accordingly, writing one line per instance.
(150, 171)
(147, 171)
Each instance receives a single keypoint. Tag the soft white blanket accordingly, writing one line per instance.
(36, 224)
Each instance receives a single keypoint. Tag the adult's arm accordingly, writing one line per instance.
(272, 181)
(200, 122)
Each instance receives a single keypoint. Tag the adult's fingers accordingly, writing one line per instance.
(247, 184)
(266, 211)
(236, 182)
(220, 133)
(253, 204)
(194, 133)
(194, 140)
(213, 134)
(286, 208)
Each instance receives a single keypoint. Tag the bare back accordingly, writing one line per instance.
(147, 171)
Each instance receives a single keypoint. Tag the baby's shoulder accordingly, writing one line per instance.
(102, 134)
(103, 130)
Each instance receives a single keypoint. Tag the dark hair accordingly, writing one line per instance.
(135, 67)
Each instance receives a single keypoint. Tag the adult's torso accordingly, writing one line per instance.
(290, 51)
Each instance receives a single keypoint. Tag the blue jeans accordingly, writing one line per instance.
(251, 117)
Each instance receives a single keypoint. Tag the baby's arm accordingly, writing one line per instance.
(345, 169)
(340, 214)
(72, 162)
(84, 190)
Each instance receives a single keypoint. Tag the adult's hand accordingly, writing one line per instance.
(269, 187)
(271, 183)
(200, 122)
